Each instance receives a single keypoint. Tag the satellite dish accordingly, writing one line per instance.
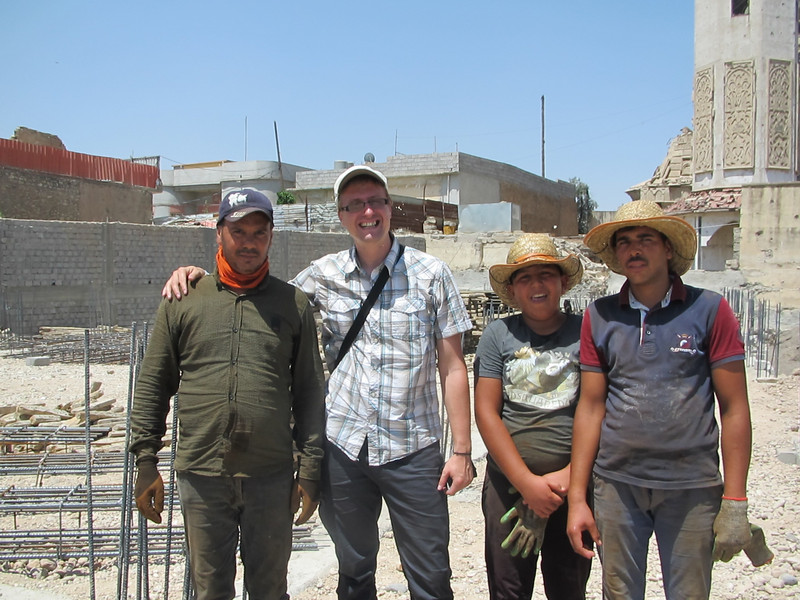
(369, 157)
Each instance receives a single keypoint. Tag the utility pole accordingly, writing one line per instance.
(278, 149)
(542, 135)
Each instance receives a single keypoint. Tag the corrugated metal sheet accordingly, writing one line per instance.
(411, 217)
(75, 164)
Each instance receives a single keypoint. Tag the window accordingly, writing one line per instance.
(740, 7)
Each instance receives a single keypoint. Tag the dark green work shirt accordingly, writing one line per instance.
(244, 365)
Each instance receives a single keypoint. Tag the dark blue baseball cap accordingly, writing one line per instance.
(240, 203)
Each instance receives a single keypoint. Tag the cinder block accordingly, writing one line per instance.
(37, 361)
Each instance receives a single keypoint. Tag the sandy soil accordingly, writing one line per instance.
(774, 491)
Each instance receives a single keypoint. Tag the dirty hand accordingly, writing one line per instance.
(457, 473)
(178, 283)
(149, 490)
(731, 529)
(528, 532)
(539, 495)
(305, 492)
(580, 521)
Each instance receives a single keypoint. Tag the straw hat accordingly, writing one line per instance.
(532, 249)
(644, 213)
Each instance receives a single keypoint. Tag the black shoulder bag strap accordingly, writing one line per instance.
(366, 306)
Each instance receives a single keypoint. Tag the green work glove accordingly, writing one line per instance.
(305, 492)
(528, 532)
(149, 490)
(731, 529)
(756, 549)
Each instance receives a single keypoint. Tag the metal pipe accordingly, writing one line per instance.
(88, 450)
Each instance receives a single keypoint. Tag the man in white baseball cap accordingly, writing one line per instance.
(383, 427)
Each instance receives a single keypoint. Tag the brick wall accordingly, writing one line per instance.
(27, 194)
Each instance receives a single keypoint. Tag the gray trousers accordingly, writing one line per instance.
(682, 521)
(253, 512)
(352, 492)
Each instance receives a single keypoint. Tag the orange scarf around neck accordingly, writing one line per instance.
(231, 278)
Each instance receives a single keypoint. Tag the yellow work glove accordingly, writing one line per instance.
(149, 490)
(305, 492)
(731, 529)
(528, 532)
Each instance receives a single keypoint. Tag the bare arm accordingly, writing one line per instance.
(536, 490)
(585, 441)
(730, 387)
(178, 283)
(455, 391)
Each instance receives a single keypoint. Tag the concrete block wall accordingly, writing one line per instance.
(73, 274)
(60, 273)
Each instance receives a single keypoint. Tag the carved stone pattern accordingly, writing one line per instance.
(703, 121)
(739, 115)
(779, 154)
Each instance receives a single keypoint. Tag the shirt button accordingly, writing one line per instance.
(235, 330)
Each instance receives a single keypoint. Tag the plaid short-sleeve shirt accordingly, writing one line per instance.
(384, 390)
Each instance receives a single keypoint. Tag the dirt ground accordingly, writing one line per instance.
(774, 490)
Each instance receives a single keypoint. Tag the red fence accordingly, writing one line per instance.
(75, 164)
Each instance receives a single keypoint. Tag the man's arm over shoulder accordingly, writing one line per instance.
(179, 282)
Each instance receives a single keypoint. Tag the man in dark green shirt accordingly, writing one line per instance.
(242, 350)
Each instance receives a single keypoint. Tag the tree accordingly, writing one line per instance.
(585, 204)
(286, 197)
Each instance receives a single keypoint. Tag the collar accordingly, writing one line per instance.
(390, 261)
(634, 303)
(258, 288)
(676, 292)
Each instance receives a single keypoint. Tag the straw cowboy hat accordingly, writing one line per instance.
(532, 249)
(644, 213)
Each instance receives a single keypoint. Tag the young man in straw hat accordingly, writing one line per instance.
(527, 377)
(653, 357)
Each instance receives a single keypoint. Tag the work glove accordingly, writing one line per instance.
(731, 529)
(756, 549)
(528, 532)
(149, 490)
(305, 492)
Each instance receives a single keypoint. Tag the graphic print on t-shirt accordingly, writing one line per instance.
(546, 380)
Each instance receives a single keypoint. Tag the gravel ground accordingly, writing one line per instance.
(774, 492)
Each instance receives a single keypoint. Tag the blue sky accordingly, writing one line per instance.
(181, 80)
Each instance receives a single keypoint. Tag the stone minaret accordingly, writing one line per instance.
(745, 93)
